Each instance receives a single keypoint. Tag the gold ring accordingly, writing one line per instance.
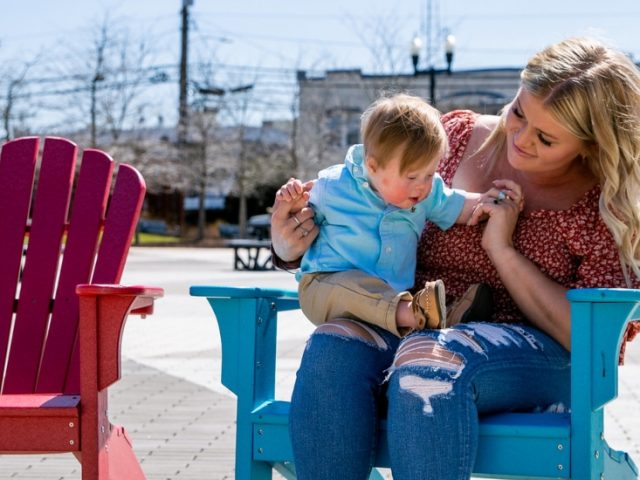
(296, 219)
(305, 232)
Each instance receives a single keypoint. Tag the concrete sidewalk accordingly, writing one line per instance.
(181, 420)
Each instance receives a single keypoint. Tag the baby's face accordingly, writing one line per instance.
(405, 189)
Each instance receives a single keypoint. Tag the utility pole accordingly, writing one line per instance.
(183, 109)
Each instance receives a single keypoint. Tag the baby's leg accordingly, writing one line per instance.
(350, 294)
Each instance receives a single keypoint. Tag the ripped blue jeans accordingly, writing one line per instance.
(431, 388)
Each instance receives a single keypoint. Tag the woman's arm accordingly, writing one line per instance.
(541, 300)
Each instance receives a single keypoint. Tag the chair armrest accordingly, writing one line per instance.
(599, 317)
(247, 319)
(103, 313)
(145, 296)
(284, 299)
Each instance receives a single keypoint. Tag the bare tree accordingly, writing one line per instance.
(15, 78)
(106, 81)
(237, 109)
(122, 102)
(100, 45)
(312, 141)
(204, 149)
(381, 36)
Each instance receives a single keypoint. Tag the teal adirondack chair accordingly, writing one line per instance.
(512, 445)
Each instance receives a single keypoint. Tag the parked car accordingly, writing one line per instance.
(259, 226)
(229, 230)
(159, 227)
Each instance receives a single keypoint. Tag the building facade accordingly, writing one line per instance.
(330, 105)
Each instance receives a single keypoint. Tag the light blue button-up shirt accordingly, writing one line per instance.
(358, 230)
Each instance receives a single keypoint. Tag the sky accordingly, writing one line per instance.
(263, 42)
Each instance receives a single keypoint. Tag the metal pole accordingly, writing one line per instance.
(432, 86)
(184, 49)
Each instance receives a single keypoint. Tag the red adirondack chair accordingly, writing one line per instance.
(62, 312)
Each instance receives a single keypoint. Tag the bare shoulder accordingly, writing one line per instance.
(471, 175)
(485, 124)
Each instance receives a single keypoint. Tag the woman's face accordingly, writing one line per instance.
(536, 141)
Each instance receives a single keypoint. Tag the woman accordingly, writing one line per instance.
(571, 139)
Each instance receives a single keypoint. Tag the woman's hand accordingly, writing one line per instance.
(501, 207)
(292, 226)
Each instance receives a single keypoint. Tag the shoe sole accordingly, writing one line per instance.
(441, 305)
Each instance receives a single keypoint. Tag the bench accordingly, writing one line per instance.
(512, 445)
(249, 254)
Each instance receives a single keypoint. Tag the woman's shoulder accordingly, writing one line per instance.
(466, 130)
(466, 126)
(486, 124)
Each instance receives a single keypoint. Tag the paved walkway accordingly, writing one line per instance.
(170, 399)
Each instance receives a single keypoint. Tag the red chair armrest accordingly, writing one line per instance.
(125, 290)
(143, 305)
(103, 312)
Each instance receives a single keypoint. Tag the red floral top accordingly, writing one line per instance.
(573, 247)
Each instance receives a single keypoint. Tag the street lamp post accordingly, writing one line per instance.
(416, 48)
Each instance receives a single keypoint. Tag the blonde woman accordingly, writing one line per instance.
(571, 139)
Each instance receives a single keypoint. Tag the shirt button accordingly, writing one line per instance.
(388, 249)
(365, 184)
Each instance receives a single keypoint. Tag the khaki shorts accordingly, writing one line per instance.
(350, 294)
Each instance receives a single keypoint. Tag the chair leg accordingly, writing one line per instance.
(116, 459)
(122, 461)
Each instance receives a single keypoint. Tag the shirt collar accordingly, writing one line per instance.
(354, 162)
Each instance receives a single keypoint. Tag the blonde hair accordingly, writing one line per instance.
(594, 91)
(407, 122)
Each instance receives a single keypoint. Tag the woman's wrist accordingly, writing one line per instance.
(282, 264)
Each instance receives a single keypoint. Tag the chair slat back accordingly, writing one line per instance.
(17, 169)
(39, 330)
(49, 215)
(119, 227)
(87, 213)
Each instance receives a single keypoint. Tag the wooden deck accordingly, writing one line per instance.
(180, 418)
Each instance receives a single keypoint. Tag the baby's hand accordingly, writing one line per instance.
(504, 192)
(510, 191)
(290, 191)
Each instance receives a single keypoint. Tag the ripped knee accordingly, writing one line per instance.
(425, 351)
(425, 389)
(352, 329)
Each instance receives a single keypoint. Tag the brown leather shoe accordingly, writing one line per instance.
(475, 304)
(428, 306)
